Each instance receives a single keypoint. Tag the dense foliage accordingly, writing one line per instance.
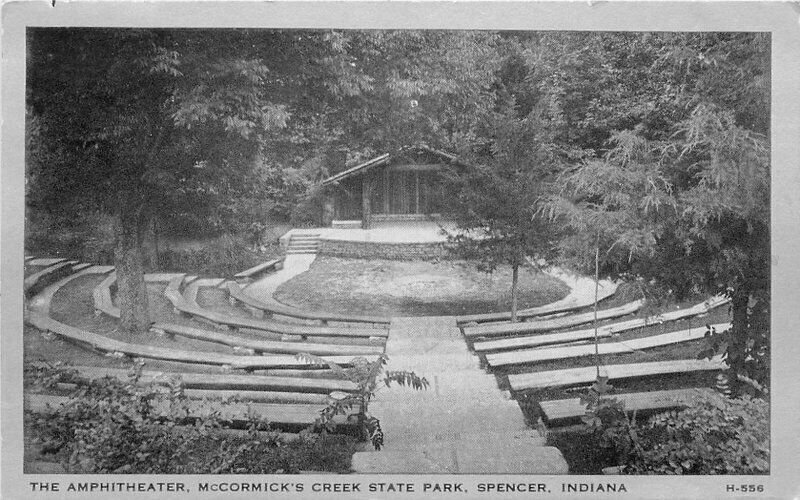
(716, 435)
(648, 151)
(128, 427)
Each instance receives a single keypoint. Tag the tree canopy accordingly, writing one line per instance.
(652, 147)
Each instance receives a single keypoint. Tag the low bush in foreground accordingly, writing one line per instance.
(716, 435)
(115, 426)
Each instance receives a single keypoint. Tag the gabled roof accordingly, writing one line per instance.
(383, 159)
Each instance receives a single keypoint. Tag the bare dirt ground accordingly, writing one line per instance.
(413, 288)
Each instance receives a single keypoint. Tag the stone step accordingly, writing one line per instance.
(464, 457)
(427, 421)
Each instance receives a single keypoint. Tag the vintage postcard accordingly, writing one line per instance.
(400, 250)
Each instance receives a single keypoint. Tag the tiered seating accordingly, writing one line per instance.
(294, 397)
(576, 351)
(567, 304)
(178, 301)
(276, 308)
(53, 268)
(562, 411)
(578, 376)
(249, 275)
(518, 347)
(236, 414)
(544, 325)
(603, 331)
(267, 346)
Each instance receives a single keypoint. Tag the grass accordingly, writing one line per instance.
(413, 288)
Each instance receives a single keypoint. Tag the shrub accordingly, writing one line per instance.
(111, 426)
(89, 238)
(718, 435)
(225, 256)
(114, 426)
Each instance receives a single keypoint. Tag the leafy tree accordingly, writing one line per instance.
(391, 89)
(494, 192)
(681, 196)
(132, 116)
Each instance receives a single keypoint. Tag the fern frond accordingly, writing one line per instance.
(313, 359)
(406, 378)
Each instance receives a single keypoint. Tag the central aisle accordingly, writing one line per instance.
(462, 424)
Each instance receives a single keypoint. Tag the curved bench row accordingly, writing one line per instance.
(602, 331)
(39, 317)
(231, 412)
(282, 400)
(266, 346)
(276, 308)
(571, 302)
(587, 375)
(178, 301)
(102, 292)
(225, 382)
(562, 411)
(500, 329)
(116, 347)
(577, 351)
(35, 280)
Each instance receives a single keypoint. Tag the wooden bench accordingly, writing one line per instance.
(102, 297)
(174, 295)
(248, 275)
(267, 346)
(274, 307)
(35, 280)
(587, 375)
(101, 294)
(602, 331)
(569, 352)
(234, 413)
(562, 411)
(225, 382)
(567, 304)
(107, 345)
(499, 329)
(44, 262)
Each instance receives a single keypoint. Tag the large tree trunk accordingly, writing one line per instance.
(366, 195)
(131, 290)
(150, 247)
(514, 291)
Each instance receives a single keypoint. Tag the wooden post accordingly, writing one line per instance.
(366, 195)
(328, 208)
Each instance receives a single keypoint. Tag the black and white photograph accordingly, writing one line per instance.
(399, 258)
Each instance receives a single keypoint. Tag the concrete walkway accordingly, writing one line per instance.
(462, 424)
(293, 265)
(581, 291)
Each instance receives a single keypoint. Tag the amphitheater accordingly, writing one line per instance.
(494, 385)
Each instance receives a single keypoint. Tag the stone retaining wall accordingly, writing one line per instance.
(392, 251)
